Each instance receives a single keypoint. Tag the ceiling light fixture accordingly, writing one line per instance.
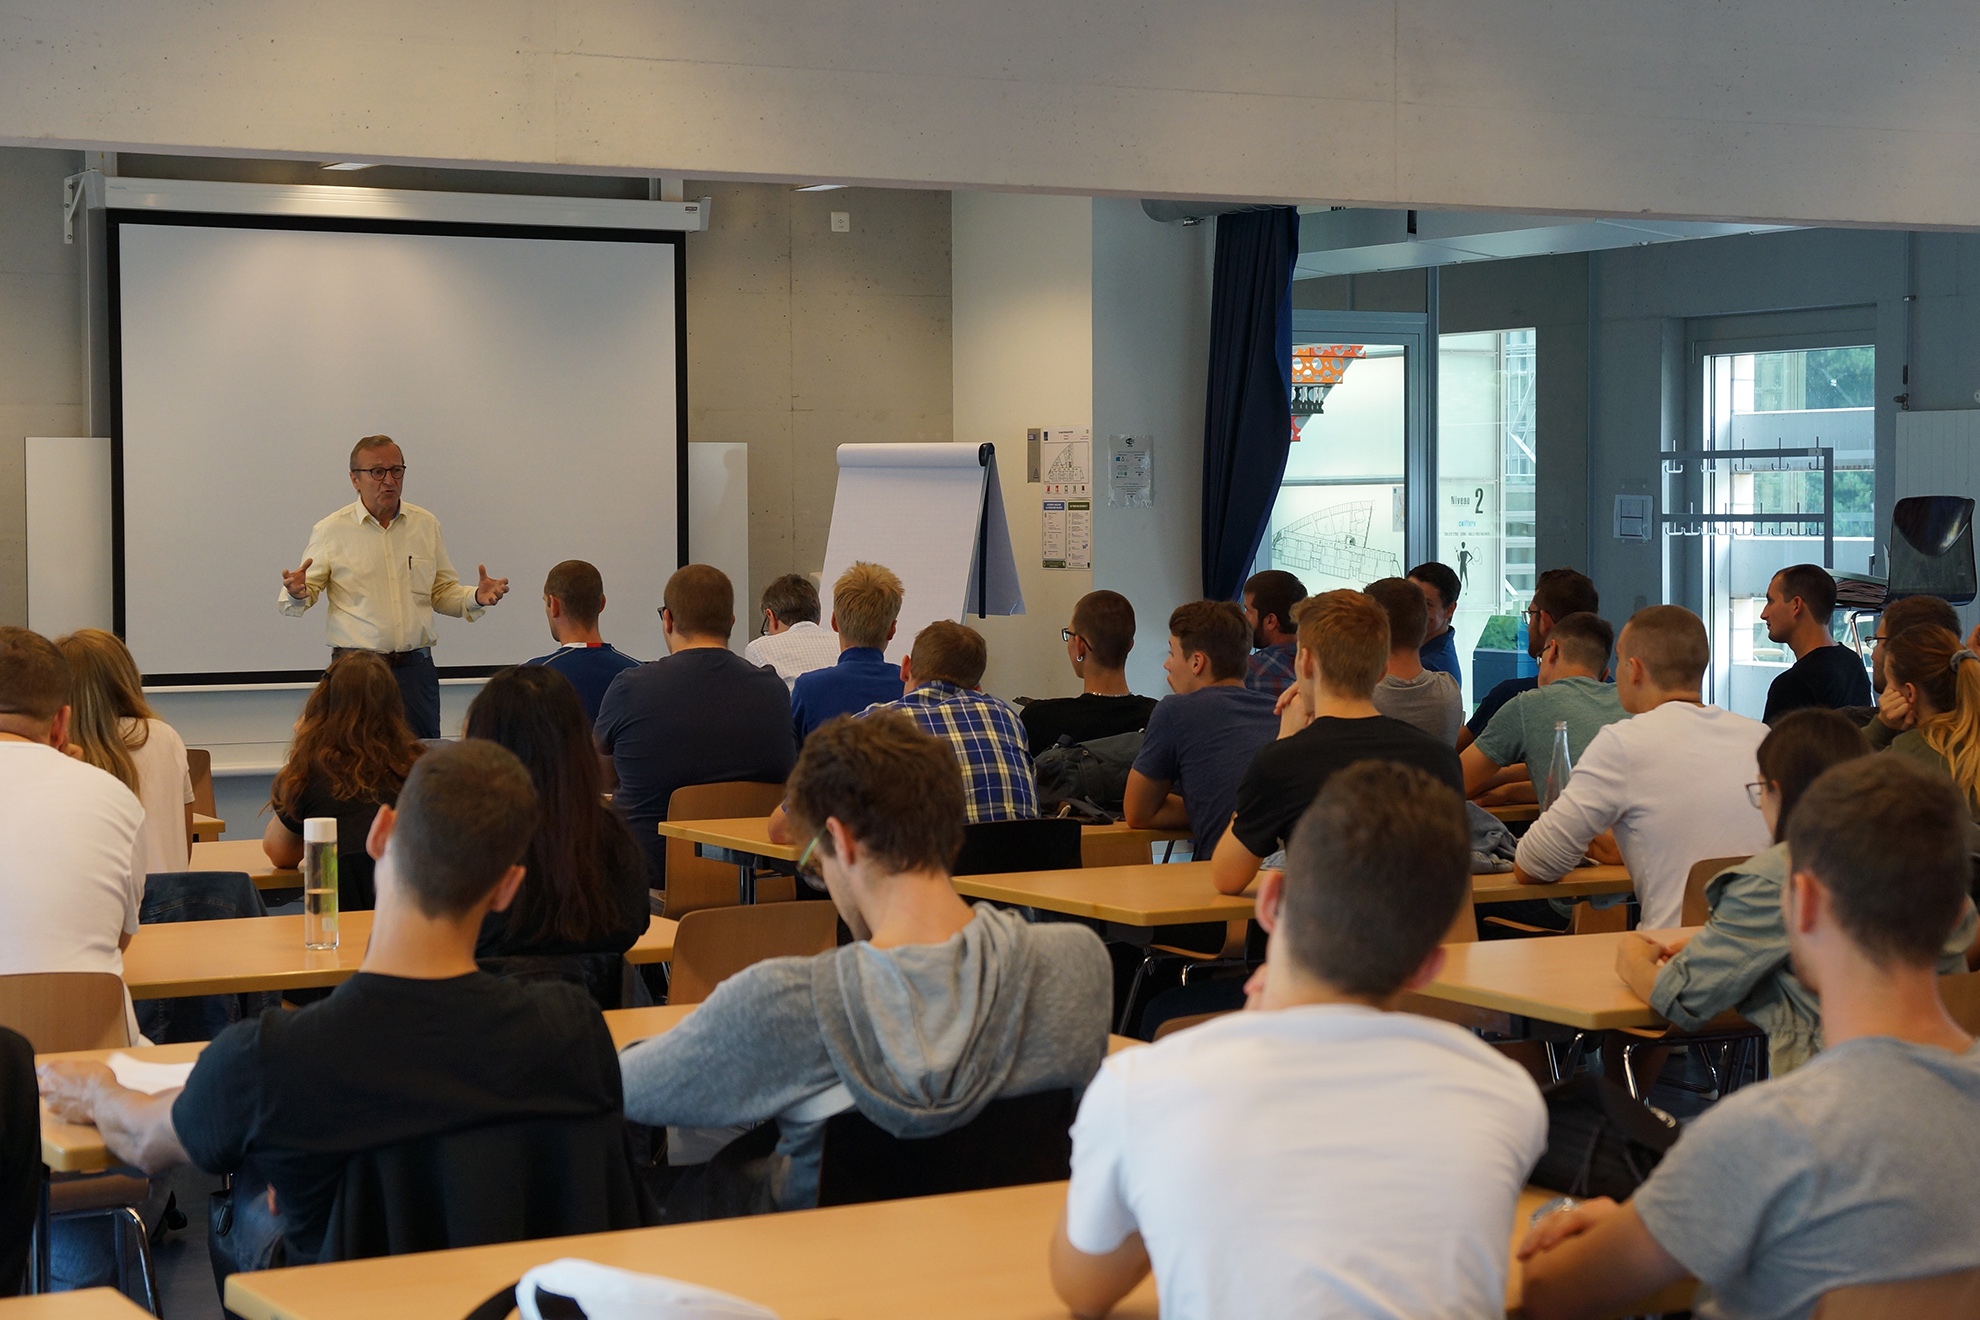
(819, 187)
(351, 165)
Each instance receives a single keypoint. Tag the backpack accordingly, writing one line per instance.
(1089, 773)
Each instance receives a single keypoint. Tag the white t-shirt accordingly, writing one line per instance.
(71, 863)
(1672, 783)
(164, 788)
(1312, 1162)
(799, 649)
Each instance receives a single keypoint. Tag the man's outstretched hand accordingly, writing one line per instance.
(490, 589)
(297, 583)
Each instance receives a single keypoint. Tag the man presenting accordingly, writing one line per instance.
(386, 571)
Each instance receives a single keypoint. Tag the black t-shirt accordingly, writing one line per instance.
(384, 1060)
(1287, 775)
(1500, 694)
(354, 815)
(1831, 676)
(702, 716)
(1086, 716)
(620, 869)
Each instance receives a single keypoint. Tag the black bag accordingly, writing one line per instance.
(242, 1234)
(1599, 1141)
(1092, 772)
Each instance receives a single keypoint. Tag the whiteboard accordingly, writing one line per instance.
(930, 512)
(530, 376)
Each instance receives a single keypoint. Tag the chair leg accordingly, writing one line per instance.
(1134, 991)
(147, 1272)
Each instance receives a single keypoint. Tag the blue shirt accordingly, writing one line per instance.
(1441, 654)
(990, 746)
(1496, 698)
(591, 670)
(862, 677)
(1200, 744)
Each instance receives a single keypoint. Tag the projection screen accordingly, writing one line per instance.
(532, 376)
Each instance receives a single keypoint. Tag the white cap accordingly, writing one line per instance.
(320, 829)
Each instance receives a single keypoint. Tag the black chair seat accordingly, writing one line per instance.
(999, 846)
(1013, 1141)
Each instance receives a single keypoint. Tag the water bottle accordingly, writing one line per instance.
(319, 870)
(1560, 764)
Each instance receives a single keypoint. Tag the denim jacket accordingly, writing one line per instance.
(1739, 960)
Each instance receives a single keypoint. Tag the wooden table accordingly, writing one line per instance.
(1568, 979)
(1515, 812)
(1152, 894)
(207, 827)
(1582, 882)
(167, 960)
(86, 1304)
(245, 855)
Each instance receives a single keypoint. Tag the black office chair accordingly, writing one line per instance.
(998, 846)
(607, 977)
(1931, 549)
(20, 1158)
(1016, 1140)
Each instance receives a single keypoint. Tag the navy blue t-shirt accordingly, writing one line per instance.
(1497, 697)
(1200, 743)
(861, 678)
(1441, 654)
(591, 670)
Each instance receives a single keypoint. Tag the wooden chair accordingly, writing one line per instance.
(1940, 1297)
(694, 883)
(1695, 909)
(714, 944)
(199, 764)
(1961, 993)
(1176, 1024)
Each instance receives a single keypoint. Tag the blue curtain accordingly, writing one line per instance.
(1247, 421)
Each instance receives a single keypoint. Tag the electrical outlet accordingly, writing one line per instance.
(842, 222)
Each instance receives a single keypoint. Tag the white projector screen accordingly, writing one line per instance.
(531, 376)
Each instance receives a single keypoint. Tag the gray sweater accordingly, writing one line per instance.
(921, 1037)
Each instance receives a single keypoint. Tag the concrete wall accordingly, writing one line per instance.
(1828, 110)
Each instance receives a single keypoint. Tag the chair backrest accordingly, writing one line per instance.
(714, 944)
(1695, 907)
(694, 882)
(21, 1175)
(1961, 993)
(60, 1011)
(503, 1182)
(1464, 926)
(998, 846)
(1175, 1024)
(1931, 549)
(1940, 1297)
(1019, 1139)
(605, 976)
(200, 762)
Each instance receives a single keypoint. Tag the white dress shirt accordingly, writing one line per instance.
(383, 582)
(1672, 784)
(799, 649)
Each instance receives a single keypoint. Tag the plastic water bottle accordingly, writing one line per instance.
(319, 870)
(1560, 764)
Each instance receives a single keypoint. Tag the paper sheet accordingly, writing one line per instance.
(143, 1075)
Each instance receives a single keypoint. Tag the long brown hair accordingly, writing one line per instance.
(1800, 746)
(353, 733)
(535, 712)
(1937, 663)
(106, 691)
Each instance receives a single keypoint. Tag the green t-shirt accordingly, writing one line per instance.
(1523, 730)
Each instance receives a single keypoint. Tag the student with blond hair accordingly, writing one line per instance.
(866, 602)
(1933, 678)
(115, 729)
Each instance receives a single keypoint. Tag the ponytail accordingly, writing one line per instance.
(1955, 733)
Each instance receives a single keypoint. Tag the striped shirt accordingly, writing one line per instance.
(989, 743)
(1270, 669)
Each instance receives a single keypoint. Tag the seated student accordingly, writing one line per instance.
(1440, 587)
(1558, 593)
(116, 730)
(1908, 612)
(416, 1044)
(1671, 782)
(1801, 600)
(700, 715)
(1097, 642)
(351, 751)
(1571, 688)
(1201, 739)
(584, 876)
(935, 1010)
(573, 598)
(941, 676)
(1422, 698)
(1933, 695)
(866, 602)
(1856, 1169)
(1319, 1154)
(1326, 726)
(1269, 598)
(72, 848)
(1739, 959)
(792, 642)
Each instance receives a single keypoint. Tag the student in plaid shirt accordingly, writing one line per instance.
(941, 675)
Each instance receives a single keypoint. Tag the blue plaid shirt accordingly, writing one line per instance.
(1271, 669)
(989, 743)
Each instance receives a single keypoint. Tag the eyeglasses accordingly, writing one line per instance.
(804, 866)
(1754, 792)
(381, 473)
(1067, 634)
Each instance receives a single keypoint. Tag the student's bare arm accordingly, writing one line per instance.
(1593, 1260)
(1094, 1285)
(1149, 805)
(1465, 738)
(136, 1127)
(283, 848)
(1233, 866)
(1480, 771)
